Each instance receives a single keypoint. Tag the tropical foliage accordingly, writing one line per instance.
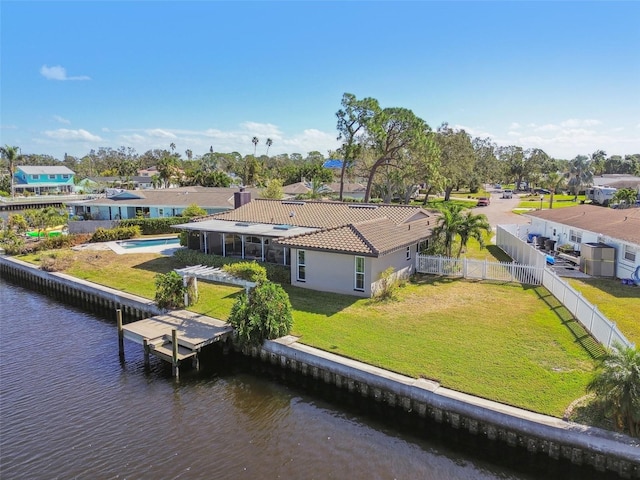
(170, 290)
(617, 387)
(263, 314)
(453, 223)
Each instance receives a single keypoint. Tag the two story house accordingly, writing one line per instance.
(43, 180)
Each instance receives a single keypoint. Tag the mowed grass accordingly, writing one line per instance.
(559, 201)
(504, 342)
(620, 303)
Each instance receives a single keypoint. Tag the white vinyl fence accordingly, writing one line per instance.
(479, 269)
(601, 328)
(510, 239)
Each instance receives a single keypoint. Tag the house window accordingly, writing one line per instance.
(575, 236)
(302, 274)
(161, 212)
(629, 253)
(409, 253)
(66, 176)
(359, 271)
(35, 177)
(52, 177)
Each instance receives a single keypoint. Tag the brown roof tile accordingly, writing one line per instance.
(316, 214)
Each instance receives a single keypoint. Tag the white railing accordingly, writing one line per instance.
(605, 331)
(601, 328)
(479, 269)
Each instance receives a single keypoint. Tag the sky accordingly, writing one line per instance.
(80, 75)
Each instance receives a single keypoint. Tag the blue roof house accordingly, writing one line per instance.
(43, 180)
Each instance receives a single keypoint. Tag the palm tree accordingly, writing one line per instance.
(255, 141)
(472, 226)
(579, 174)
(172, 146)
(269, 143)
(449, 224)
(12, 154)
(617, 385)
(553, 182)
(628, 196)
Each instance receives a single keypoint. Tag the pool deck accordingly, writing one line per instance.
(167, 250)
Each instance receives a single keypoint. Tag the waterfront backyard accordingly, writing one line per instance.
(506, 342)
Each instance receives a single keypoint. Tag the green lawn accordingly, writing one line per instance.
(559, 201)
(620, 303)
(508, 343)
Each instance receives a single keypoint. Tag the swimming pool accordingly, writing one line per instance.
(150, 242)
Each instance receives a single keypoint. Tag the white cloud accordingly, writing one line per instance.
(58, 118)
(58, 72)
(515, 126)
(511, 133)
(65, 134)
(266, 130)
(549, 127)
(160, 133)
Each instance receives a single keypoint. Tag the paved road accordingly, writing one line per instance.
(500, 210)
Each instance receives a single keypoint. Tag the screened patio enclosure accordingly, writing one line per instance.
(252, 241)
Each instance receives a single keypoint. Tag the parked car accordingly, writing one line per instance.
(542, 190)
(483, 201)
(507, 193)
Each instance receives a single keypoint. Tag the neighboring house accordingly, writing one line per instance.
(617, 181)
(99, 184)
(170, 202)
(350, 190)
(330, 246)
(43, 180)
(295, 189)
(594, 224)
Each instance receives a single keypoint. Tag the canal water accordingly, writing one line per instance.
(70, 410)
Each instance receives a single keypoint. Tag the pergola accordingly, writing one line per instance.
(210, 273)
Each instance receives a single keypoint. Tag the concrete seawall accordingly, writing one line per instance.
(538, 434)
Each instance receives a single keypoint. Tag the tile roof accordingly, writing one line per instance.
(317, 214)
(364, 229)
(622, 224)
(370, 238)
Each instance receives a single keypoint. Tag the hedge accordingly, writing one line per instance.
(154, 226)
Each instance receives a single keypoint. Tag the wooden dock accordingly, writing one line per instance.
(173, 336)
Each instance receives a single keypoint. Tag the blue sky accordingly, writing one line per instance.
(561, 76)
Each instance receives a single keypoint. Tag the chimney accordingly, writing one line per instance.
(241, 198)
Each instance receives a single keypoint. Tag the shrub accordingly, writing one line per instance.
(117, 233)
(250, 271)
(153, 226)
(54, 263)
(264, 314)
(170, 290)
(387, 285)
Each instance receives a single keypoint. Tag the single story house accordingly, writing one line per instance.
(594, 224)
(99, 184)
(329, 246)
(41, 180)
(618, 181)
(169, 202)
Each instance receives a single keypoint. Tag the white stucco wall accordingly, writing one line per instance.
(332, 272)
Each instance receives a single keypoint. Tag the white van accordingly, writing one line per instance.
(507, 193)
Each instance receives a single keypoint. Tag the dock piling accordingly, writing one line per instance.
(120, 334)
(145, 346)
(174, 341)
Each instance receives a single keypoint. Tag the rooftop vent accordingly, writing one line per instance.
(292, 202)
